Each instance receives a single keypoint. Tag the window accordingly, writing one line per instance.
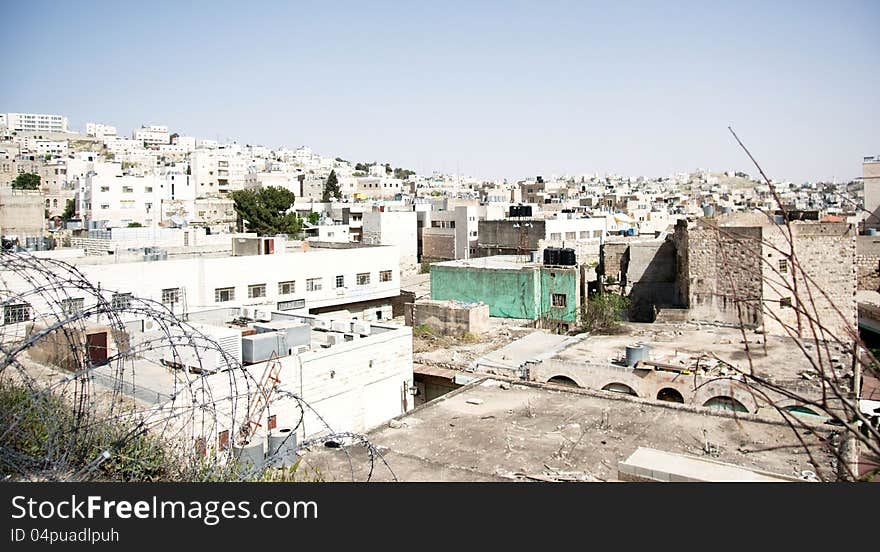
(105, 188)
(363, 278)
(171, 295)
(148, 189)
(72, 306)
(120, 301)
(385, 276)
(558, 299)
(571, 235)
(13, 314)
(313, 284)
(291, 305)
(555, 236)
(340, 281)
(783, 266)
(222, 295)
(256, 290)
(585, 234)
(127, 190)
(286, 288)
(785, 302)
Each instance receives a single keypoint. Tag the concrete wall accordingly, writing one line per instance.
(871, 178)
(650, 278)
(438, 244)
(393, 228)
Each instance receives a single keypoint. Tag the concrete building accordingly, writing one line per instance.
(217, 171)
(550, 295)
(449, 234)
(35, 122)
(122, 199)
(398, 228)
(527, 234)
(100, 130)
(152, 135)
(363, 280)
(503, 430)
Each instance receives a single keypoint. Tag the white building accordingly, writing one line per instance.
(35, 122)
(100, 130)
(218, 171)
(152, 135)
(119, 200)
(398, 228)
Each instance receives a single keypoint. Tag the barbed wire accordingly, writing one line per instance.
(67, 394)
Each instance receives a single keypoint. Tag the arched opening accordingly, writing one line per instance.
(723, 402)
(563, 380)
(620, 388)
(802, 410)
(669, 394)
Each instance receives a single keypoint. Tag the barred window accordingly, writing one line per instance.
(340, 281)
(363, 278)
(286, 288)
(256, 290)
(385, 276)
(313, 284)
(222, 295)
(783, 266)
(121, 301)
(171, 295)
(72, 306)
(558, 299)
(19, 312)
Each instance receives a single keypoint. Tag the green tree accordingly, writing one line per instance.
(265, 210)
(135, 225)
(26, 181)
(313, 217)
(69, 210)
(331, 188)
(603, 312)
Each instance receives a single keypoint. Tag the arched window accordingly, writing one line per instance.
(620, 388)
(723, 402)
(802, 410)
(563, 380)
(669, 394)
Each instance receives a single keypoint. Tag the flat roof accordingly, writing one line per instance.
(495, 262)
(494, 431)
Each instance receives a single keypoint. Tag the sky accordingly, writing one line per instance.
(489, 89)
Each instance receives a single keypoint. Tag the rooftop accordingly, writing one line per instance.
(496, 431)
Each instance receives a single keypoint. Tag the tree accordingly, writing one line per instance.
(403, 174)
(603, 312)
(331, 188)
(265, 210)
(26, 181)
(135, 225)
(313, 217)
(69, 210)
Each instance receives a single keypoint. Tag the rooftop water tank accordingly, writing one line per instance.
(250, 455)
(636, 353)
(282, 447)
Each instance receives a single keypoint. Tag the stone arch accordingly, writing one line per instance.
(563, 380)
(617, 387)
(670, 394)
(725, 402)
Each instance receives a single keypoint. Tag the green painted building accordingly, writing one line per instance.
(511, 288)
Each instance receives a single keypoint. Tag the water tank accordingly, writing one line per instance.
(552, 256)
(708, 210)
(250, 455)
(567, 257)
(631, 232)
(871, 232)
(282, 447)
(636, 353)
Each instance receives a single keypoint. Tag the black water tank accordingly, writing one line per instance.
(567, 257)
(526, 210)
(551, 256)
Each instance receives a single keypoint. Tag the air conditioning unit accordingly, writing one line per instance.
(343, 326)
(247, 312)
(335, 338)
(362, 328)
(262, 315)
(320, 324)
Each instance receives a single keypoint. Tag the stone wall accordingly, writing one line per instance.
(868, 262)
(449, 317)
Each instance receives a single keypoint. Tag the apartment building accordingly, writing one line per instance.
(35, 122)
(121, 199)
(152, 135)
(218, 171)
(100, 130)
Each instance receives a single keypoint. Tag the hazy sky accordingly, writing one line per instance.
(495, 89)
